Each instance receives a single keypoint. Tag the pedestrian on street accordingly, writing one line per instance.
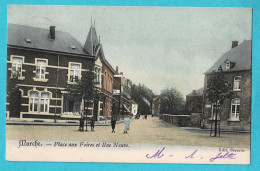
(86, 123)
(145, 116)
(92, 123)
(81, 124)
(113, 124)
(127, 124)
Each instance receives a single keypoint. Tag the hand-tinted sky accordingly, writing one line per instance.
(157, 46)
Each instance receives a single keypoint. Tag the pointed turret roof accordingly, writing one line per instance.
(92, 43)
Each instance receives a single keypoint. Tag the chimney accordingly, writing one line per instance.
(116, 69)
(52, 32)
(193, 92)
(234, 43)
(121, 73)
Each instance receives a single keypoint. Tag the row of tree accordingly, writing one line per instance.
(172, 101)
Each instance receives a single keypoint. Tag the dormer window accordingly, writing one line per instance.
(228, 65)
(73, 47)
(28, 40)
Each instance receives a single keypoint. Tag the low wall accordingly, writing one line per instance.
(192, 120)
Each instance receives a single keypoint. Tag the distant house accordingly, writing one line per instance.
(194, 101)
(46, 61)
(156, 107)
(236, 111)
(134, 109)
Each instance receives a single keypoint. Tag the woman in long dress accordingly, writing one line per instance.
(127, 124)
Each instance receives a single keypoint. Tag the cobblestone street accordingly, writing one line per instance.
(150, 131)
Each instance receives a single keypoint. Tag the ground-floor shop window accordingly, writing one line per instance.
(71, 104)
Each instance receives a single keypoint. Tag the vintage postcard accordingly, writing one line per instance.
(129, 84)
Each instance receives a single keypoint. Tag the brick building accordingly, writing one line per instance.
(122, 95)
(46, 61)
(194, 101)
(235, 113)
(104, 76)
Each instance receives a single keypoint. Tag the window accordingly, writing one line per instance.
(17, 67)
(105, 78)
(228, 65)
(34, 101)
(111, 84)
(74, 72)
(71, 104)
(237, 83)
(98, 75)
(45, 102)
(40, 69)
(235, 109)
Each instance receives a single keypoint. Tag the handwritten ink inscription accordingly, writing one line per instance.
(161, 153)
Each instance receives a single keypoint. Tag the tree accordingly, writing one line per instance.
(141, 95)
(218, 89)
(172, 101)
(85, 89)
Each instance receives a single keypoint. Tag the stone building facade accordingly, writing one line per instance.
(235, 113)
(46, 62)
(194, 101)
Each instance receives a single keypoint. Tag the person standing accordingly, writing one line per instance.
(81, 124)
(127, 125)
(92, 123)
(113, 124)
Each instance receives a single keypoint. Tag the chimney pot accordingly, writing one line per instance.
(234, 43)
(193, 92)
(116, 69)
(52, 32)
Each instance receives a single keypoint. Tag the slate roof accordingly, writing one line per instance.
(40, 39)
(199, 92)
(92, 43)
(241, 55)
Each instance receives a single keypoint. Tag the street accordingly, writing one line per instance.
(150, 131)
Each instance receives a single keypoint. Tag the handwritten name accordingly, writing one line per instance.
(161, 153)
(158, 154)
(227, 155)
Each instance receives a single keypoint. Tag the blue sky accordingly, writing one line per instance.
(157, 46)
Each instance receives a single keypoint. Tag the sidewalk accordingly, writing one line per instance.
(207, 129)
(75, 123)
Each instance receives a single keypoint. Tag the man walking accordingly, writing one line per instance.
(81, 124)
(113, 124)
(92, 123)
